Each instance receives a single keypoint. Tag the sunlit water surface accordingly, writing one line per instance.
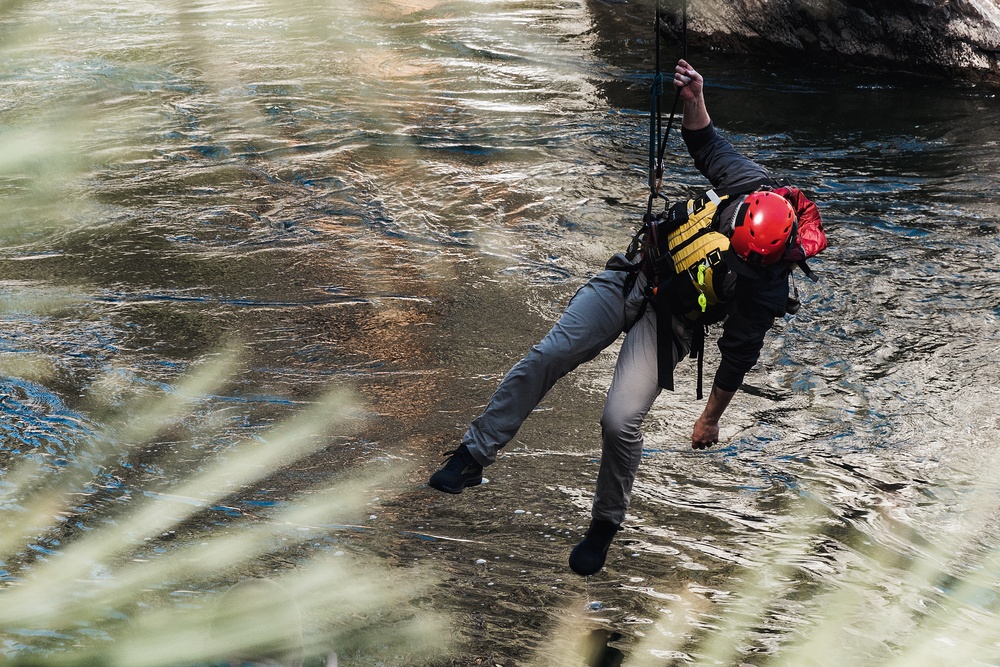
(400, 197)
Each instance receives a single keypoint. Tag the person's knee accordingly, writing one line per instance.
(620, 425)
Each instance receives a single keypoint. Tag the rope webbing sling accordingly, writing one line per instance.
(657, 137)
(665, 338)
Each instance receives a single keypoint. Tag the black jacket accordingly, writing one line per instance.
(761, 294)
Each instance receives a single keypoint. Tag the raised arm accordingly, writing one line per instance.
(714, 156)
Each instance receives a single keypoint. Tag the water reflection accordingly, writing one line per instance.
(400, 197)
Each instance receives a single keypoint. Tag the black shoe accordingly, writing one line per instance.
(589, 555)
(460, 471)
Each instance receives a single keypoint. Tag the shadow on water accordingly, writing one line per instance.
(401, 197)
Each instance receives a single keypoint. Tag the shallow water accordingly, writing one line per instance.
(400, 197)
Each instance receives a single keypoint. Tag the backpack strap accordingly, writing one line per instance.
(664, 348)
(698, 352)
(810, 274)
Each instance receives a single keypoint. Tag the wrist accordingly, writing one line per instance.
(695, 114)
(708, 419)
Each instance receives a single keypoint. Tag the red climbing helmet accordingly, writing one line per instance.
(763, 228)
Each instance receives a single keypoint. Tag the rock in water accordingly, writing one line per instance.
(938, 37)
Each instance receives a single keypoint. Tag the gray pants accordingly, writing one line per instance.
(592, 321)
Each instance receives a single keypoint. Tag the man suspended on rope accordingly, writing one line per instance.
(723, 257)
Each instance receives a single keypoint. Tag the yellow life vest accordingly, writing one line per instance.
(685, 254)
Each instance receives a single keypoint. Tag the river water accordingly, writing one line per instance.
(400, 197)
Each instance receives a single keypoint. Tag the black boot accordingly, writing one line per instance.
(588, 556)
(461, 470)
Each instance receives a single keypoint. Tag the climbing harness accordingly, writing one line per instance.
(684, 264)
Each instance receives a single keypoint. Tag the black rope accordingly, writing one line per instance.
(654, 116)
(673, 111)
(657, 137)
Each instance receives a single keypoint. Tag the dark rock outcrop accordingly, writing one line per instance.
(937, 37)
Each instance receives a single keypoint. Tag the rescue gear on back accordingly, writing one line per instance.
(809, 237)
